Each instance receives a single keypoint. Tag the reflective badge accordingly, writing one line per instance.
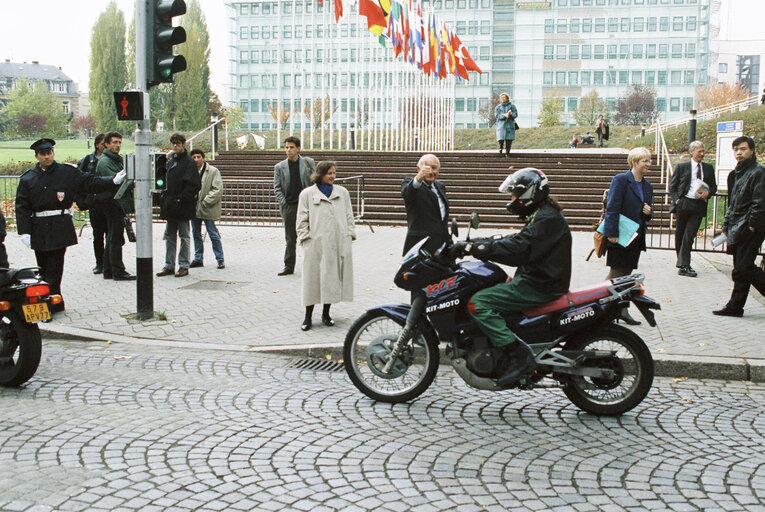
(60, 196)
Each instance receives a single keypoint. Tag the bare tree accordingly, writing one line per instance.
(320, 112)
(637, 108)
(281, 116)
(720, 94)
(591, 105)
(487, 113)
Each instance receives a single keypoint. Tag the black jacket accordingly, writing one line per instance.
(179, 201)
(680, 183)
(423, 215)
(746, 203)
(53, 189)
(541, 250)
(86, 164)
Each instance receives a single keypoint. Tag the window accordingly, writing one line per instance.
(664, 23)
(572, 104)
(244, 9)
(266, 8)
(674, 104)
(613, 24)
(650, 51)
(637, 78)
(548, 52)
(265, 33)
(625, 24)
(255, 81)
(611, 51)
(586, 24)
(265, 56)
(244, 33)
(689, 77)
(624, 77)
(585, 76)
(611, 77)
(662, 78)
(677, 51)
(638, 24)
(473, 4)
(473, 27)
(637, 51)
(690, 50)
(597, 78)
(661, 104)
(459, 104)
(690, 23)
(562, 26)
(677, 23)
(486, 4)
(663, 51)
(586, 51)
(461, 4)
(549, 28)
(287, 31)
(460, 28)
(600, 24)
(650, 77)
(562, 3)
(448, 4)
(66, 107)
(485, 53)
(244, 105)
(547, 78)
(624, 51)
(254, 32)
(560, 52)
(560, 78)
(599, 51)
(573, 25)
(651, 24)
(255, 56)
(573, 78)
(471, 105)
(254, 105)
(243, 57)
(723, 67)
(573, 52)
(486, 27)
(687, 103)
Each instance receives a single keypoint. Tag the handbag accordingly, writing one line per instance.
(516, 126)
(599, 241)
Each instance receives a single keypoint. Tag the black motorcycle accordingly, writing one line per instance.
(24, 300)
(391, 353)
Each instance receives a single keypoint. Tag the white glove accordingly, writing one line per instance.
(119, 177)
(27, 240)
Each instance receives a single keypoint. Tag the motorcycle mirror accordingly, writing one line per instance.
(475, 220)
(455, 229)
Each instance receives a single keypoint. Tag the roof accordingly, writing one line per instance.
(15, 70)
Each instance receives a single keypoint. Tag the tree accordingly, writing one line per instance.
(235, 117)
(590, 107)
(192, 87)
(487, 113)
(33, 110)
(84, 124)
(637, 108)
(720, 94)
(281, 116)
(108, 71)
(549, 114)
(318, 113)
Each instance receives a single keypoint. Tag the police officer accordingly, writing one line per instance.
(43, 199)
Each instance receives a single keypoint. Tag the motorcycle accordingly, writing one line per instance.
(24, 301)
(391, 353)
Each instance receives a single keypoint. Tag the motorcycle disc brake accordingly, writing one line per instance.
(378, 353)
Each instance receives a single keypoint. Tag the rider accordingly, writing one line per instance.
(542, 253)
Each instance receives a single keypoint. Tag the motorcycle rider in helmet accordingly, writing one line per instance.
(542, 253)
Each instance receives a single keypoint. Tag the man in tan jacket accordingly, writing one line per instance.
(208, 210)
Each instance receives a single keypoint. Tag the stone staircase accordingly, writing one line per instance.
(577, 180)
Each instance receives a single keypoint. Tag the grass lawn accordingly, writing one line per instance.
(67, 150)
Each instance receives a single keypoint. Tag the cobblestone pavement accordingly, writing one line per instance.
(246, 306)
(118, 428)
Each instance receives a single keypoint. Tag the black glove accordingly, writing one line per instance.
(458, 250)
(481, 247)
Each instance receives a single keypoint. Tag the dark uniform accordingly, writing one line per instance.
(43, 200)
(97, 218)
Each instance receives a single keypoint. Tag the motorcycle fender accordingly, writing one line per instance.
(645, 305)
(396, 312)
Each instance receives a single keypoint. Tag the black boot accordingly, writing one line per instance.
(627, 318)
(519, 361)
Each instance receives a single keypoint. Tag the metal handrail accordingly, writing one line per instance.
(210, 127)
(710, 113)
(662, 156)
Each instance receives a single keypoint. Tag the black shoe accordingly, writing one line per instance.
(98, 270)
(107, 276)
(520, 361)
(285, 272)
(687, 271)
(306, 325)
(195, 264)
(221, 265)
(726, 311)
(327, 320)
(627, 318)
(124, 277)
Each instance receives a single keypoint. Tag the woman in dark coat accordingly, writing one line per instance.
(631, 195)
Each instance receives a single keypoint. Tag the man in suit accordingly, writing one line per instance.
(691, 186)
(427, 208)
(290, 177)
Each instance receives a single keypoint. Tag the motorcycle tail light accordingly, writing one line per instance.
(37, 290)
(405, 277)
(640, 289)
(5, 305)
(56, 299)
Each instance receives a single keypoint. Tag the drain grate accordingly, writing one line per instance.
(317, 365)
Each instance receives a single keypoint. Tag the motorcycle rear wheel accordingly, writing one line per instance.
(632, 365)
(366, 348)
(20, 350)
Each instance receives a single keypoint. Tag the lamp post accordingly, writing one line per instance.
(214, 142)
(692, 127)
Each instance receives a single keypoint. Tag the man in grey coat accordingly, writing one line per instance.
(208, 210)
(291, 176)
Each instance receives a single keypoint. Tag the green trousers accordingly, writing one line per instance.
(488, 306)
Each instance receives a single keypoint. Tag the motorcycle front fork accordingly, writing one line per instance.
(418, 306)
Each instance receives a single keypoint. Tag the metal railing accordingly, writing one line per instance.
(710, 113)
(662, 156)
(190, 141)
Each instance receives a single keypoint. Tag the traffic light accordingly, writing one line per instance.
(161, 35)
(160, 171)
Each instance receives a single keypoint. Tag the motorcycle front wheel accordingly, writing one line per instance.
(631, 367)
(367, 349)
(20, 349)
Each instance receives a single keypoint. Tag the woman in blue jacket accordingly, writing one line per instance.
(505, 114)
(631, 195)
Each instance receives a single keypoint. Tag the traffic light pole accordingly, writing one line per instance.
(143, 181)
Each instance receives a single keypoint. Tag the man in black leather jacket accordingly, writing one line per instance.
(744, 225)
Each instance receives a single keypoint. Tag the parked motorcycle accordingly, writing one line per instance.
(24, 300)
(391, 352)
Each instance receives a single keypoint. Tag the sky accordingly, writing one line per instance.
(64, 38)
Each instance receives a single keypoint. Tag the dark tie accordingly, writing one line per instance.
(698, 170)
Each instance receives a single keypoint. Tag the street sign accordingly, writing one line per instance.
(727, 132)
(129, 105)
(730, 126)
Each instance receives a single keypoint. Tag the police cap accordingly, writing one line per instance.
(42, 145)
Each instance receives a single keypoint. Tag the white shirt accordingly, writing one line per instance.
(695, 182)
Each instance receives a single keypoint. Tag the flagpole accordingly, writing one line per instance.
(278, 108)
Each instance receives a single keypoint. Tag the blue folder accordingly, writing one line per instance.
(628, 230)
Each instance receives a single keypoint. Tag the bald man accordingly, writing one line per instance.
(427, 208)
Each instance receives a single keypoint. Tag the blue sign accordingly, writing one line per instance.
(730, 126)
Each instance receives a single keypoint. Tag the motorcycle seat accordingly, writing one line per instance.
(572, 298)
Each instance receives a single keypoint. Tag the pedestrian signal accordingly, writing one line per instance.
(129, 105)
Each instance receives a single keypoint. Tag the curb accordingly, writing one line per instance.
(665, 365)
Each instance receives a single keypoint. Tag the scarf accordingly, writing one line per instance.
(325, 189)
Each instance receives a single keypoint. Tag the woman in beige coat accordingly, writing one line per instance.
(325, 230)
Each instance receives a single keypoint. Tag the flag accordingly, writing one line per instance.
(241, 141)
(338, 10)
(462, 54)
(375, 15)
(260, 141)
